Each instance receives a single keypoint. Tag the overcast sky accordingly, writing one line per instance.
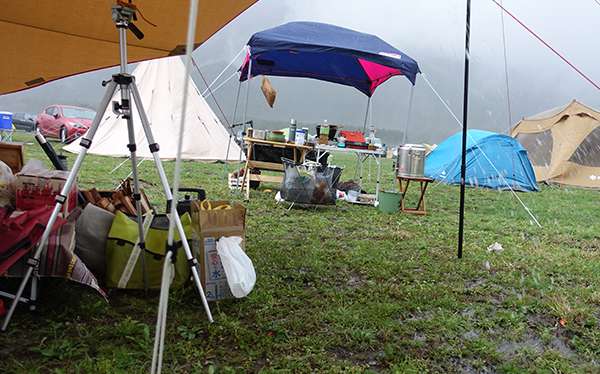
(430, 31)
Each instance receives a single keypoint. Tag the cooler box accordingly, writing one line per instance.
(5, 121)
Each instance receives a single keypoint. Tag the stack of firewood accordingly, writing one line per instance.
(120, 199)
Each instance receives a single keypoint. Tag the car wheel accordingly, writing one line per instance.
(62, 135)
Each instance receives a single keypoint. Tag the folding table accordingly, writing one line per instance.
(362, 155)
(404, 183)
(299, 154)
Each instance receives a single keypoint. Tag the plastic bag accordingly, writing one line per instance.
(7, 185)
(238, 267)
(34, 167)
(307, 185)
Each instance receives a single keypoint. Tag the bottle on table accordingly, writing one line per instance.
(292, 131)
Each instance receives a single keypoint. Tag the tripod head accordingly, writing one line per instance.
(123, 15)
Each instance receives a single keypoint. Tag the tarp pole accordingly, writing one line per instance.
(463, 161)
(410, 103)
(367, 114)
(506, 72)
(232, 130)
(248, 77)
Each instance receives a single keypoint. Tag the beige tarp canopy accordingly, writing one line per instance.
(43, 40)
(563, 145)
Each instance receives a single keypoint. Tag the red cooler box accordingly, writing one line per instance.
(38, 189)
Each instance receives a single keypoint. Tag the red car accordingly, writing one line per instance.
(64, 122)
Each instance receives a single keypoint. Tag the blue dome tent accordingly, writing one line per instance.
(509, 168)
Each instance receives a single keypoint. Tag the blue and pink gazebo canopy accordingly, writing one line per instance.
(327, 52)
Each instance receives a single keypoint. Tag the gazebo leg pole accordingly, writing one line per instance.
(367, 114)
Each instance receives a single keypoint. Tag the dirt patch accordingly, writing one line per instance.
(462, 365)
(425, 315)
(534, 344)
(559, 345)
(355, 281)
(471, 335)
(540, 320)
(509, 349)
(591, 245)
(468, 313)
(472, 284)
(419, 337)
(372, 359)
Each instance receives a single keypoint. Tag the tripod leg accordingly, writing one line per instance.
(154, 148)
(34, 292)
(128, 115)
(161, 319)
(86, 141)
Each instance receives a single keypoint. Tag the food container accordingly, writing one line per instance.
(410, 161)
(259, 134)
(357, 145)
(300, 136)
(276, 136)
(331, 131)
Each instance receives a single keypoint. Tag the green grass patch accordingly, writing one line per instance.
(349, 289)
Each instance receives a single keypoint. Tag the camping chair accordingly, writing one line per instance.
(20, 235)
(6, 132)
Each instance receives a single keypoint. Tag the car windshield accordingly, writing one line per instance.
(78, 113)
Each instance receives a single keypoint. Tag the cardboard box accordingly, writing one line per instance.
(40, 189)
(12, 155)
(210, 224)
(213, 276)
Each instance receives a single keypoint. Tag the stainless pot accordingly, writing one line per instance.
(410, 161)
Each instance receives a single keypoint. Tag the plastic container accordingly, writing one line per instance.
(292, 131)
(353, 196)
(300, 136)
(389, 202)
(259, 134)
(6, 120)
(331, 132)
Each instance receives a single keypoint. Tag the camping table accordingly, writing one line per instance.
(404, 183)
(362, 155)
(300, 152)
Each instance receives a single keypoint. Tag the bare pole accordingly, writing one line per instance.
(367, 114)
(506, 72)
(463, 160)
(408, 115)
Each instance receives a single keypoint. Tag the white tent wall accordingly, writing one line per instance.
(160, 85)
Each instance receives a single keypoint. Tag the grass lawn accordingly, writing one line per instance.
(350, 289)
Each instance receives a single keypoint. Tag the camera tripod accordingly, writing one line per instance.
(122, 16)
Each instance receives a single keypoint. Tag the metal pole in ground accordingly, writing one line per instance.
(463, 161)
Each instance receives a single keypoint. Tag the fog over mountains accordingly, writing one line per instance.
(432, 32)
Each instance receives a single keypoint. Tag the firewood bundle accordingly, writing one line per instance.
(120, 199)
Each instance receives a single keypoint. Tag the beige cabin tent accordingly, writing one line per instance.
(563, 145)
(160, 83)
